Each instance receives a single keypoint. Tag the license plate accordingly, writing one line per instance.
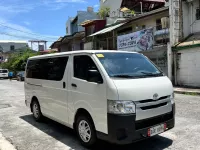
(156, 130)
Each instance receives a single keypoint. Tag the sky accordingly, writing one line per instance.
(38, 19)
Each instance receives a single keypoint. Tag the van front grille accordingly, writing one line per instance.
(151, 100)
(153, 121)
(153, 106)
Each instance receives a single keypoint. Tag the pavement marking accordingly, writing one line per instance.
(5, 145)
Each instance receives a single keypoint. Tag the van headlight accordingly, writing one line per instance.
(121, 107)
(172, 98)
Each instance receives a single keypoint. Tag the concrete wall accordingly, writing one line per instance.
(159, 57)
(196, 23)
(65, 47)
(76, 45)
(188, 68)
(81, 17)
(74, 26)
(186, 19)
(88, 46)
(68, 25)
(190, 23)
(6, 45)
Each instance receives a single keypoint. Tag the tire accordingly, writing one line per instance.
(91, 138)
(37, 114)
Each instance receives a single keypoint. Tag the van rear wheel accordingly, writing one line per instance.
(37, 114)
(86, 131)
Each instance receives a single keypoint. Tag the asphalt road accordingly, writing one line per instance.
(19, 128)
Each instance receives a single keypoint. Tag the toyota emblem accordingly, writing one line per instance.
(155, 96)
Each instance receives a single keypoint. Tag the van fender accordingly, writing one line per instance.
(86, 106)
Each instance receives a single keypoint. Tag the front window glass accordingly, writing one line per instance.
(128, 65)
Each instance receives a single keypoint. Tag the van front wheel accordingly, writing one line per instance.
(37, 114)
(86, 131)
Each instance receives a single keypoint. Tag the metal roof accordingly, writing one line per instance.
(108, 29)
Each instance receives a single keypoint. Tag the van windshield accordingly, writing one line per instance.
(128, 65)
(3, 71)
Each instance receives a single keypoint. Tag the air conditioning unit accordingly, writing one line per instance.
(165, 22)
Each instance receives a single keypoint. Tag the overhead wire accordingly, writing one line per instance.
(35, 34)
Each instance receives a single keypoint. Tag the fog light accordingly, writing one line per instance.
(165, 126)
(149, 132)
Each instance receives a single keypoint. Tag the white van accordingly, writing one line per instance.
(4, 73)
(117, 96)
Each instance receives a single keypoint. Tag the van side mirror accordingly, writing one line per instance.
(94, 76)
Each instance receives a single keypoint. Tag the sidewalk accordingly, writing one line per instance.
(189, 91)
(4, 144)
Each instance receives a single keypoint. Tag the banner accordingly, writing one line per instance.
(137, 41)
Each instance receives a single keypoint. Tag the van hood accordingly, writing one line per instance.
(143, 88)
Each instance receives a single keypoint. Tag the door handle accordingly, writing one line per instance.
(74, 85)
(64, 85)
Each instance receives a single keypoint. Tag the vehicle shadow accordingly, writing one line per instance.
(68, 137)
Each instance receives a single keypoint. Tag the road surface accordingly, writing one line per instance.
(18, 127)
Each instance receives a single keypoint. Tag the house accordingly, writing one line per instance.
(74, 32)
(114, 7)
(92, 26)
(9, 46)
(187, 52)
(156, 21)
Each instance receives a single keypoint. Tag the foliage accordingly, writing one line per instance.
(132, 12)
(17, 60)
(103, 12)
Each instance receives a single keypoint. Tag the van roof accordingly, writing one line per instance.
(79, 52)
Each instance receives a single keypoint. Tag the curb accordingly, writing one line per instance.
(187, 93)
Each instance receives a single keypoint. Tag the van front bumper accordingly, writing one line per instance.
(124, 129)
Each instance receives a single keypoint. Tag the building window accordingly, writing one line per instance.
(158, 24)
(197, 14)
(12, 47)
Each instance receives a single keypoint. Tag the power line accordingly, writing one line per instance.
(24, 37)
(25, 31)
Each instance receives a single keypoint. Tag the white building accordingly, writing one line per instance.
(114, 6)
(8, 46)
(187, 58)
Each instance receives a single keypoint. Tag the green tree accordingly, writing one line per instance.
(17, 60)
(104, 12)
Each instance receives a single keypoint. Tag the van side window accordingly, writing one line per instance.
(47, 69)
(82, 64)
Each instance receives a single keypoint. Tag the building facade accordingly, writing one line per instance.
(7, 47)
(114, 7)
(73, 40)
(187, 53)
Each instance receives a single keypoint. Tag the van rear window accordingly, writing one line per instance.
(3, 71)
(47, 69)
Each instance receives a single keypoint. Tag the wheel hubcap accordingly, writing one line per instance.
(84, 131)
(35, 110)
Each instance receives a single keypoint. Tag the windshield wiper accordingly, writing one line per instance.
(122, 76)
(152, 74)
